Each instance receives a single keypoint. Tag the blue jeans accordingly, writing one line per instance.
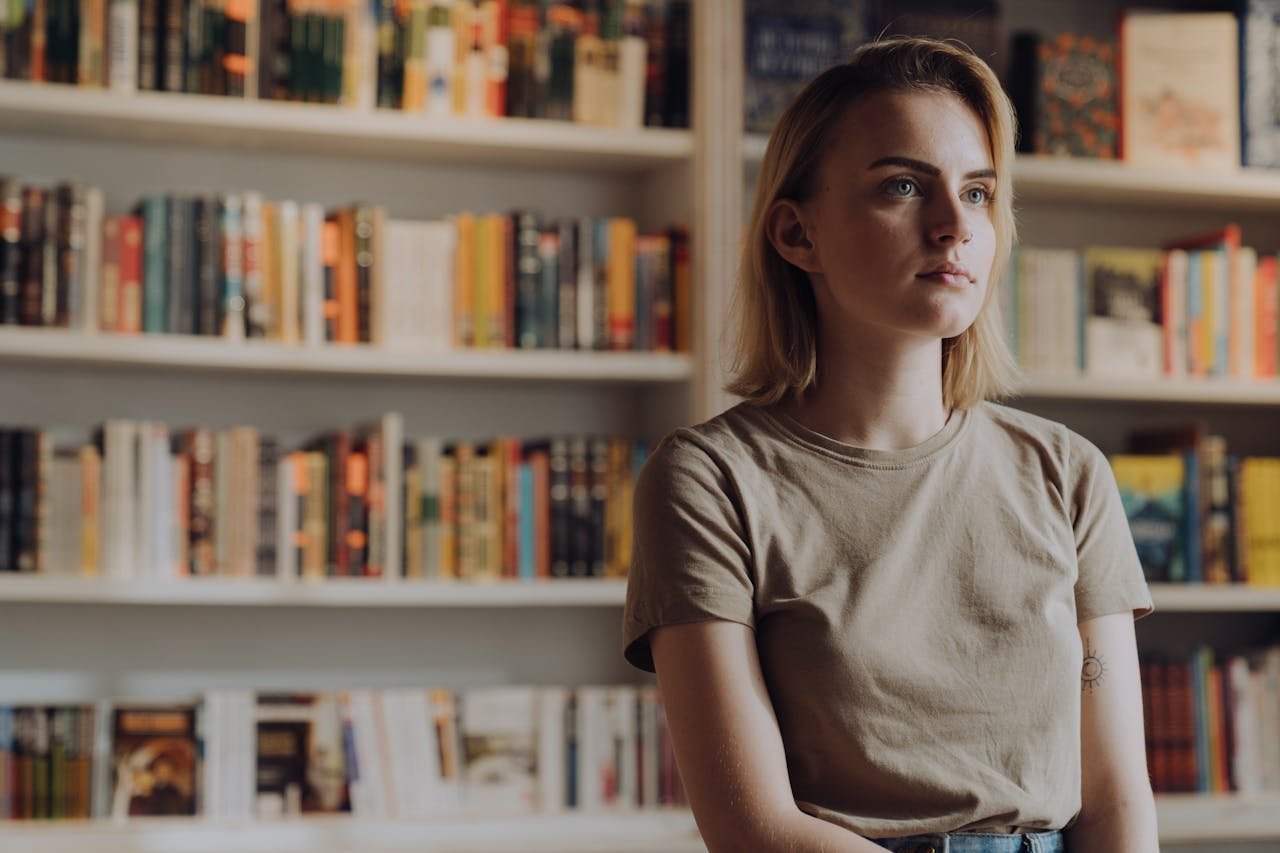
(976, 842)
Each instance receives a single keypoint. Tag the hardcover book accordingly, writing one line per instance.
(1123, 331)
(153, 760)
(1152, 491)
(1179, 87)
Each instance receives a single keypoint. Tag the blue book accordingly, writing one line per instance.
(528, 560)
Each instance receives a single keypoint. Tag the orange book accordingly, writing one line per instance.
(540, 462)
(622, 283)
(496, 280)
(464, 289)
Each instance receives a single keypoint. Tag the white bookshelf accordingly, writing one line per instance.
(623, 832)
(202, 120)
(336, 593)
(1215, 598)
(1197, 392)
(189, 353)
(1211, 818)
(1050, 179)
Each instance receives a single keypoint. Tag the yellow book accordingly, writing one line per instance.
(483, 294)
(464, 290)
(494, 281)
(622, 283)
(448, 519)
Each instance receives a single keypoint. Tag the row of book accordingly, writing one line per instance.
(237, 265)
(1204, 306)
(1199, 514)
(145, 501)
(614, 63)
(1211, 721)
(1169, 89)
(402, 752)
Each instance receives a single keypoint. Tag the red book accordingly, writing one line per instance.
(1266, 316)
(129, 311)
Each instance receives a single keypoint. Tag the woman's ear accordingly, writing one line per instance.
(786, 227)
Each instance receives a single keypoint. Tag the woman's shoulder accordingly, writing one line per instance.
(729, 438)
(1046, 436)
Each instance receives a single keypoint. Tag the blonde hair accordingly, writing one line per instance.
(775, 316)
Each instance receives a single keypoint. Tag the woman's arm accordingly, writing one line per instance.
(728, 747)
(1117, 812)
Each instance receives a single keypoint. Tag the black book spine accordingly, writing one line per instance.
(528, 278)
(580, 509)
(208, 249)
(677, 71)
(8, 495)
(173, 69)
(51, 285)
(31, 288)
(193, 47)
(24, 510)
(10, 250)
(268, 497)
(149, 59)
(560, 508)
(599, 485)
(364, 220)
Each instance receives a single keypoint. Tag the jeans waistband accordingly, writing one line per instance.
(976, 842)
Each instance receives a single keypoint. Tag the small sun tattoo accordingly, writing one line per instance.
(1094, 669)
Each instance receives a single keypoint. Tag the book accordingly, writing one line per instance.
(790, 43)
(1064, 91)
(1179, 90)
(1123, 333)
(153, 749)
(1152, 492)
(499, 750)
(1259, 77)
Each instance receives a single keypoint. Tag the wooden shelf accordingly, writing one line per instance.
(1214, 598)
(625, 832)
(356, 592)
(1260, 392)
(1188, 818)
(189, 352)
(1111, 181)
(202, 120)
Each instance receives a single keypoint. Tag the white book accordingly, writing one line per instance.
(440, 50)
(369, 785)
(91, 270)
(122, 40)
(118, 530)
(594, 759)
(632, 62)
(403, 310)
(1244, 724)
(312, 275)
(415, 762)
(440, 243)
(499, 745)
(553, 782)
(623, 734)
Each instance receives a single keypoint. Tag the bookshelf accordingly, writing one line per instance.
(621, 832)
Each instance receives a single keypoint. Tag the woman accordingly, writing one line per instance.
(868, 594)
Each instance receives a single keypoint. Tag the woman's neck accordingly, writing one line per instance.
(875, 398)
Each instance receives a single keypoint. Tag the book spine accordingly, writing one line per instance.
(10, 250)
(567, 301)
(31, 287)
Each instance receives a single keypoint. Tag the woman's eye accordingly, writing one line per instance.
(902, 187)
(977, 195)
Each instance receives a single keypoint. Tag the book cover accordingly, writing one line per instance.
(1179, 89)
(1152, 494)
(1123, 331)
(300, 767)
(787, 45)
(1259, 77)
(499, 749)
(153, 760)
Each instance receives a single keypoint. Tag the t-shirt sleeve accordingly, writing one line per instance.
(1110, 578)
(690, 560)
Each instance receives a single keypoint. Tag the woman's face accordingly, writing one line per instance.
(900, 219)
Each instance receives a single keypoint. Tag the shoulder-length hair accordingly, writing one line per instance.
(774, 314)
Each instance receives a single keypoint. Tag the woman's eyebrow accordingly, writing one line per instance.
(926, 168)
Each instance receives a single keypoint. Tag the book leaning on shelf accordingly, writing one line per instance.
(1204, 306)
(237, 265)
(614, 63)
(405, 752)
(142, 501)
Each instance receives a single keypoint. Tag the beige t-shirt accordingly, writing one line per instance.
(915, 611)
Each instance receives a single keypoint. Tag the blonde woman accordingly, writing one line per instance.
(883, 611)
